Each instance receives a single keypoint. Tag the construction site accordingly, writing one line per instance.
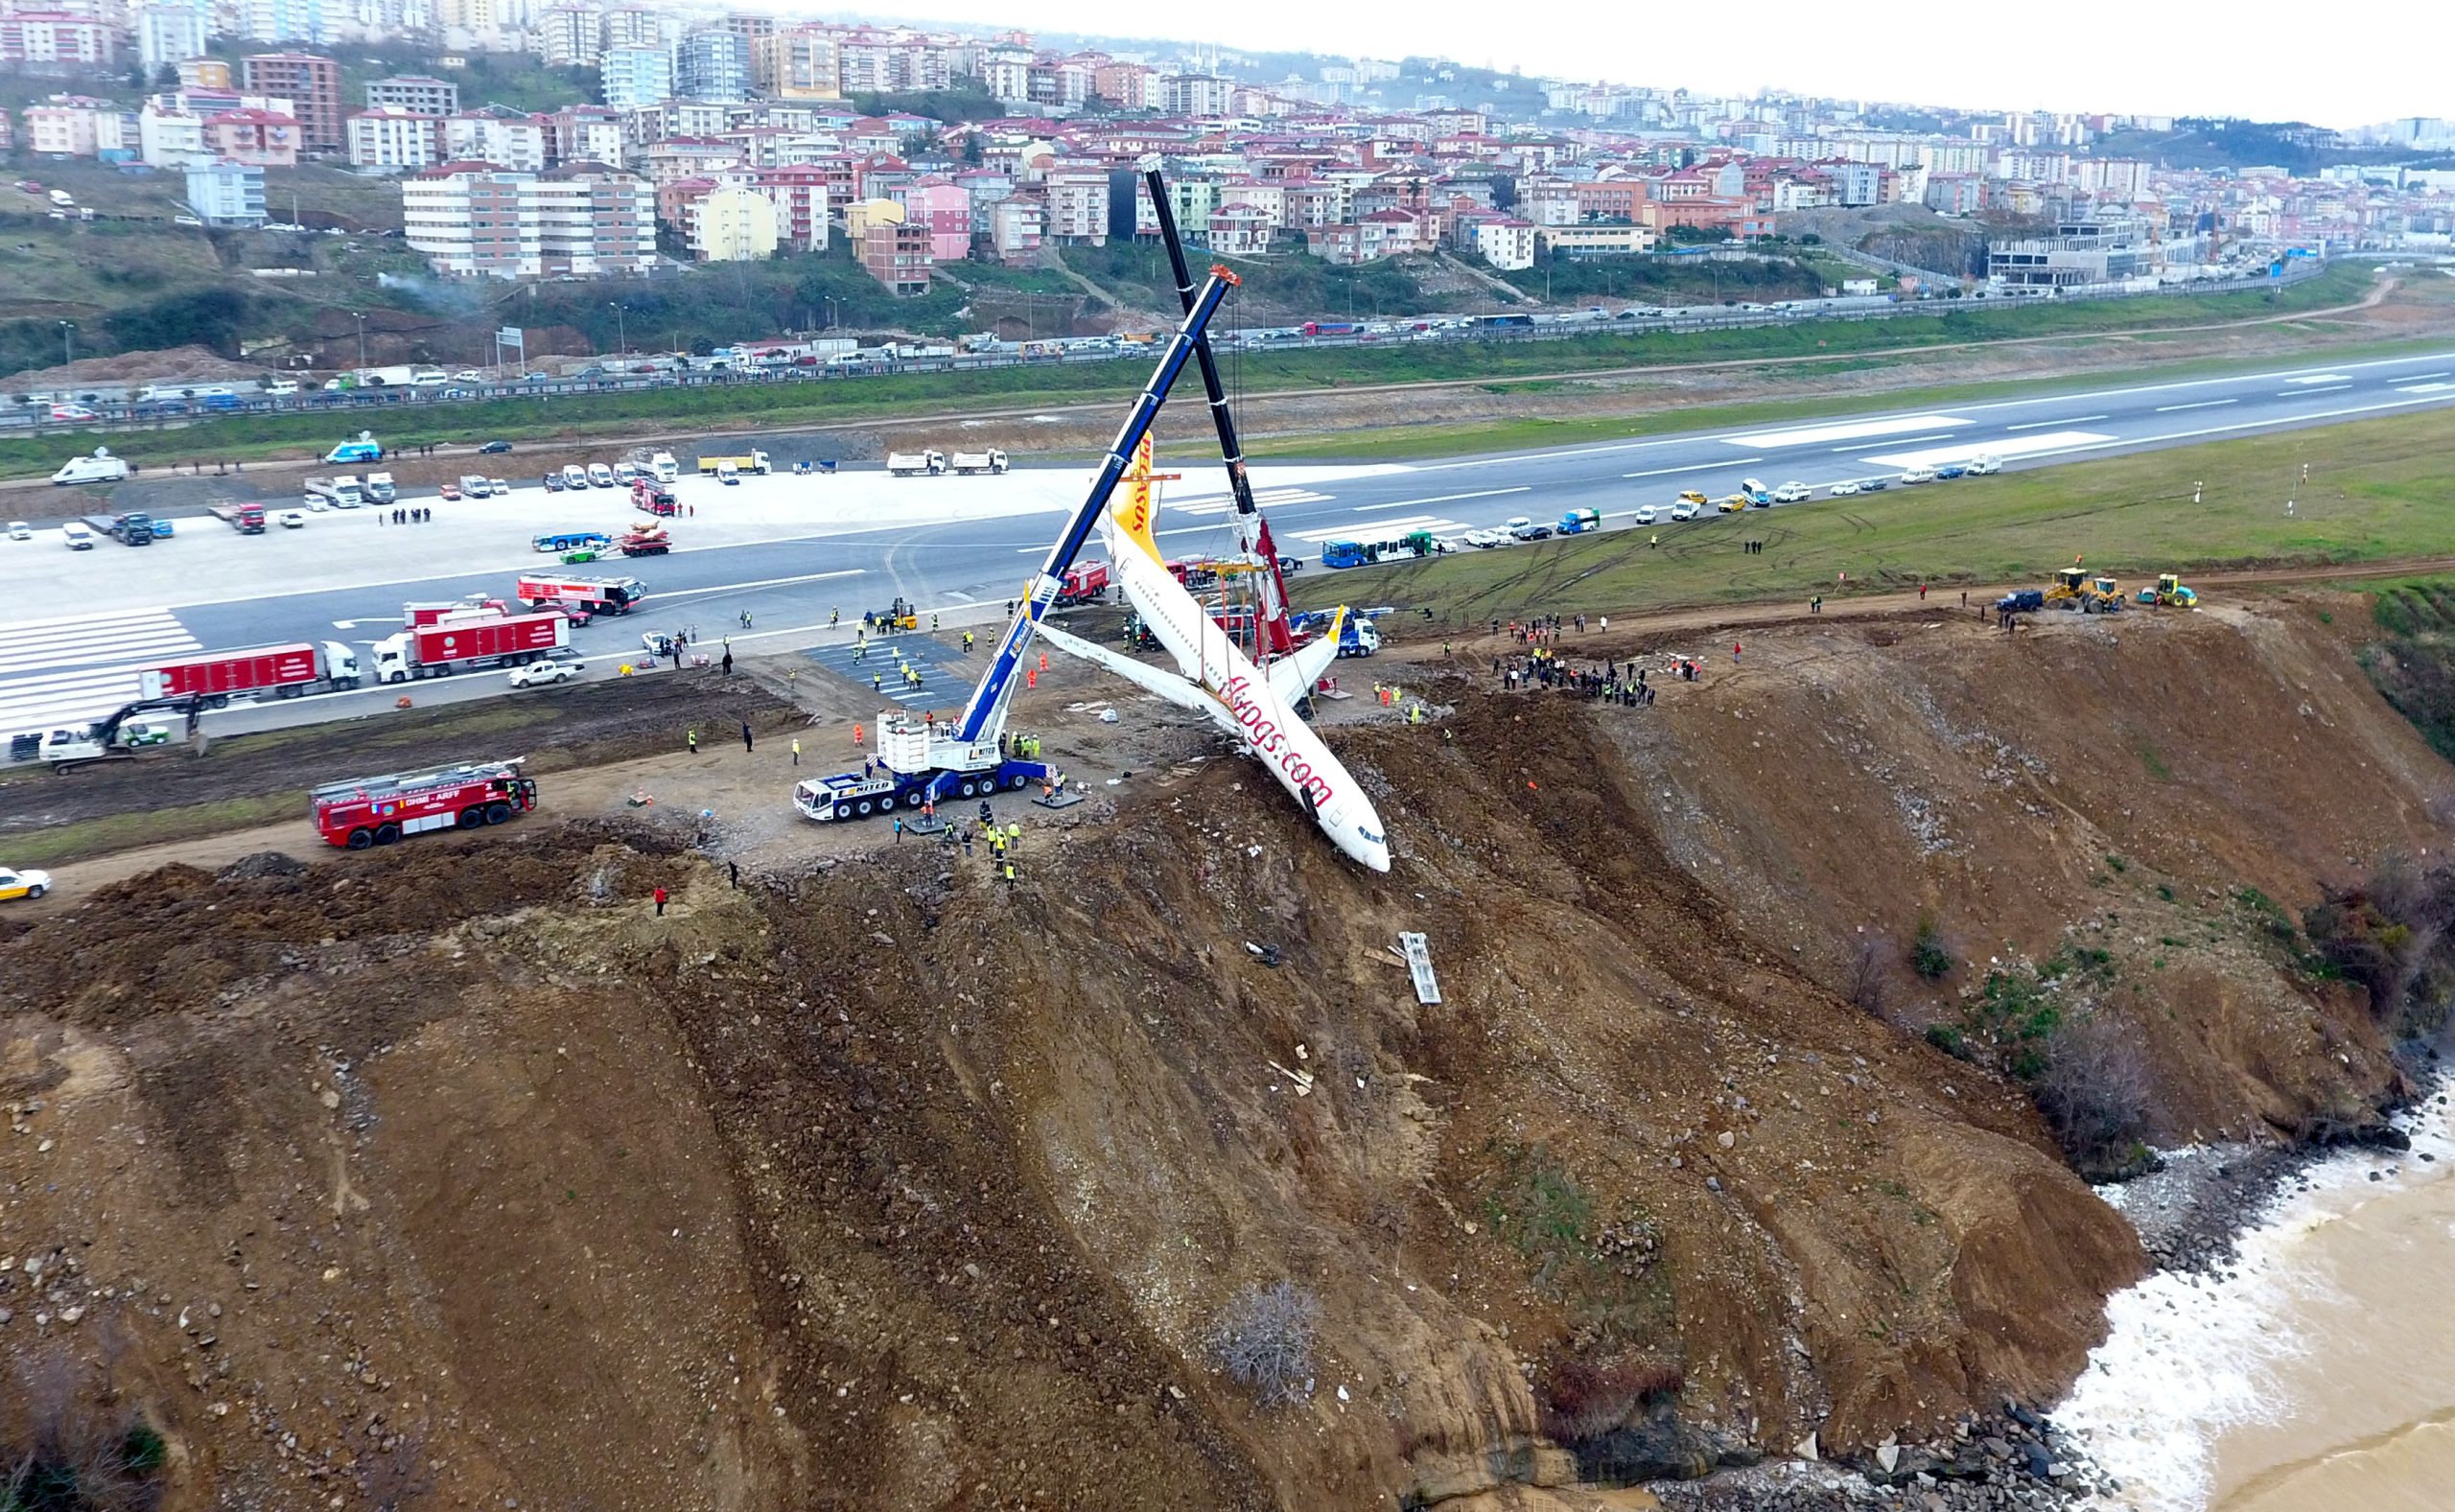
(1599, 1066)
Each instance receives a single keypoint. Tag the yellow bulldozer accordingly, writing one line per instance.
(2074, 589)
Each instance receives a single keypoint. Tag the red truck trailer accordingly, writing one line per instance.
(461, 645)
(285, 671)
(417, 617)
(248, 519)
(377, 810)
(597, 595)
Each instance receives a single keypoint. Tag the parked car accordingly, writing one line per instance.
(537, 674)
(448, 493)
(1792, 492)
(1647, 513)
(1842, 490)
(1685, 509)
(1949, 471)
(1874, 485)
(19, 530)
(163, 529)
(28, 884)
(1483, 540)
(553, 482)
(292, 518)
(1917, 474)
(493, 449)
(1525, 529)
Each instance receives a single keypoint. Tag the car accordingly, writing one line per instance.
(1730, 503)
(1842, 490)
(163, 529)
(1792, 492)
(1483, 540)
(573, 612)
(292, 518)
(1685, 509)
(493, 449)
(185, 221)
(1949, 471)
(553, 482)
(1530, 531)
(1692, 496)
(448, 493)
(470, 375)
(1647, 513)
(476, 485)
(498, 487)
(1874, 485)
(537, 674)
(1918, 475)
(15, 884)
(19, 530)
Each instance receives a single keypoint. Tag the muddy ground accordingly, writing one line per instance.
(881, 1182)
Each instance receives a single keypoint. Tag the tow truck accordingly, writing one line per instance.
(921, 759)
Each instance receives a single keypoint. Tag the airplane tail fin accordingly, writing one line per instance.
(1134, 506)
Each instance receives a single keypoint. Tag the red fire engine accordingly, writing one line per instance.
(378, 810)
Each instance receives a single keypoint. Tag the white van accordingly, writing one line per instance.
(600, 475)
(574, 475)
(78, 536)
(1984, 463)
(1917, 474)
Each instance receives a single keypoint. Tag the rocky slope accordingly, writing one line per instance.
(455, 1172)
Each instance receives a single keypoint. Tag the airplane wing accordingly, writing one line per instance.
(1142, 674)
(1294, 675)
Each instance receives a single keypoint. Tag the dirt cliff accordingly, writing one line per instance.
(456, 1172)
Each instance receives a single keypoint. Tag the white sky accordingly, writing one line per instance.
(2265, 59)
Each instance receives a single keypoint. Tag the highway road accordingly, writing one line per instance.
(790, 551)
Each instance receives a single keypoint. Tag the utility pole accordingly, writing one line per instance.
(622, 341)
(359, 316)
(67, 341)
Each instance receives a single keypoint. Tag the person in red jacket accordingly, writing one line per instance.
(660, 902)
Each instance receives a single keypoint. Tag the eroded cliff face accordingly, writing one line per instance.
(887, 1186)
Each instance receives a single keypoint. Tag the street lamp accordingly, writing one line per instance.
(361, 317)
(621, 341)
(67, 337)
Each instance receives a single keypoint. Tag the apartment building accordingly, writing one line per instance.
(1197, 95)
(226, 194)
(1597, 240)
(730, 224)
(584, 219)
(796, 64)
(712, 65)
(493, 134)
(282, 22)
(944, 210)
(390, 139)
(252, 137)
(633, 78)
(313, 86)
(44, 37)
(880, 63)
(1506, 241)
(584, 135)
(74, 126)
(570, 36)
(168, 134)
(896, 254)
(414, 92)
(1018, 225)
(166, 36)
(1078, 207)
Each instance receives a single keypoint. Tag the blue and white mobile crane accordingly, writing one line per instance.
(921, 759)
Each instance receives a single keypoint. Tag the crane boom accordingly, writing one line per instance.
(989, 700)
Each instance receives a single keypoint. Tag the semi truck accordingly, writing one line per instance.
(462, 645)
(597, 595)
(664, 468)
(752, 461)
(248, 519)
(283, 672)
(916, 464)
(99, 468)
(132, 528)
(380, 488)
(335, 493)
(476, 606)
(968, 463)
(365, 811)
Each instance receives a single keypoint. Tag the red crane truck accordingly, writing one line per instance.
(286, 671)
(377, 810)
(461, 645)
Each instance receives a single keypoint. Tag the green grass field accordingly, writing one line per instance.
(253, 437)
(2378, 490)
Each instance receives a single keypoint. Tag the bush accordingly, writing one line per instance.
(1868, 984)
(1948, 1040)
(1928, 956)
(1264, 1340)
(2092, 1087)
(1581, 1400)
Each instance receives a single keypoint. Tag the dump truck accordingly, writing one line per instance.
(992, 460)
(752, 461)
(916, 464)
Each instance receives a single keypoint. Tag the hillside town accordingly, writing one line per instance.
(736, 135)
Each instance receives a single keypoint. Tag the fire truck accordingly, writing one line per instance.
(1086, 583)
(378, 810)
(597, 596)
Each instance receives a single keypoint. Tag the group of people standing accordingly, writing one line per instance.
(1613, 682)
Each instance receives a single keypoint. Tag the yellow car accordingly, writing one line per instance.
(1732, 504)
(23, 884)
(1691, 497)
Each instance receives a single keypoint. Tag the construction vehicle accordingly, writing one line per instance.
(968, 463)
(2170, 593)
(752, 461)
(902, 616)
(921, 759)
(2105, 596)
(365, 811)
(916, 464)
(2070, 589)
(119, 736)
(334, 493)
